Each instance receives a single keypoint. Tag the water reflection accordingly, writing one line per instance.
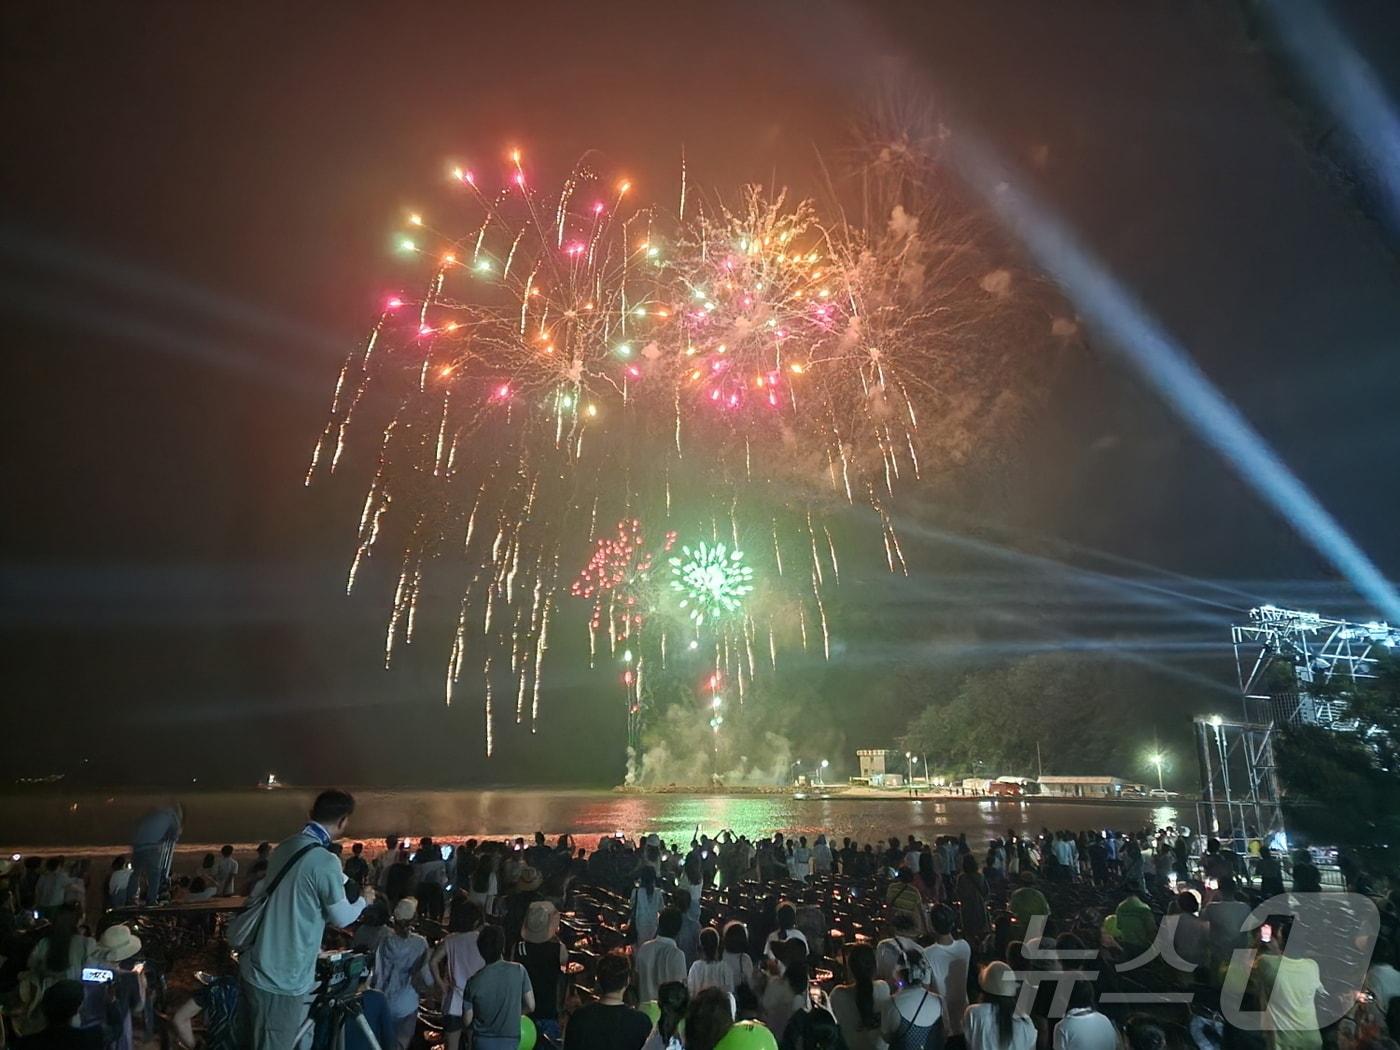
(243, 817)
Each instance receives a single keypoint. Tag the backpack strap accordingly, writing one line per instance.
(262, 900)
(909, 1022)
(277, 879)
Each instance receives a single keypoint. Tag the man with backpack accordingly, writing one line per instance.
(280, 934)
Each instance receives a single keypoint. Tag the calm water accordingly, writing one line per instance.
(77, 821)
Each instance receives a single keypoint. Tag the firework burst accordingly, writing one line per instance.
(615, 577)
(711, 581)
(573, 358)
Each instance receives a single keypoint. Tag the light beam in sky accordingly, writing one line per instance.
(1147, 346)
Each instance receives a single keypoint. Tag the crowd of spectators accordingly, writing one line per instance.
(1049, 940)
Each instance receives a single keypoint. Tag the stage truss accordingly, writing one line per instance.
(1240, 795)
(1318, 650)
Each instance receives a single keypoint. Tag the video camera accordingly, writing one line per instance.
(339, 981)
(340, 973)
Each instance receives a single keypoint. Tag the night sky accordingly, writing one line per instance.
(198, 208)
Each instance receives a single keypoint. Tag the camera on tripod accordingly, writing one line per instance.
(339, 974)
(336, 1002)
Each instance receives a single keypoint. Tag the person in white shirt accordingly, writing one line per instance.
(430, 879)
(859, 1004)
(784, 986)
(485, 882)
(1083, 1027)
(821, 857)
(1188, 932)
(225, 873)
(948, 959)
(379, 870)
(787, 929)
(995, 1023)
(736, 954)
(710, 970)
(660, 959)
(199, 890)
(949, 851)
(1066, 851)
(801, 860)
(117, 880)
(51, 888)
(76, 891)
(692, 881)
(1227, 917)
(1382, 979)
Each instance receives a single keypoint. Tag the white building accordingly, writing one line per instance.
(875, 762)
(1081, 786)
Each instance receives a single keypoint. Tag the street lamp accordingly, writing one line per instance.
(1157, 758)
(821, 771)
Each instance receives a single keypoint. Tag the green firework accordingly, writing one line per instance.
(712, 580)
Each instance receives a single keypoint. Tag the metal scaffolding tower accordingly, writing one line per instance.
(1240, 797)
(1318, 650)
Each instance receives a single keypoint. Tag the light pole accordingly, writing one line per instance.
(821, 772)
(1157, 758)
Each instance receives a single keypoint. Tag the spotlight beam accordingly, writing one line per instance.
(1348, 87)
(1132, 331)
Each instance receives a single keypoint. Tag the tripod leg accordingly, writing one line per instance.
(307, 1027)
(367, 1030)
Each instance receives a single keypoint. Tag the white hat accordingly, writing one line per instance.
(406, 909)
(117, 943)
(998, 979)
(538, 926)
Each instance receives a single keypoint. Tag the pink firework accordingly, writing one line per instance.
(613, 576)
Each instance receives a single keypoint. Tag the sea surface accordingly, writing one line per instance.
(86, 821)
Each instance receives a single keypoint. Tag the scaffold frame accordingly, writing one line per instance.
(1240, 796)
(1318, 649)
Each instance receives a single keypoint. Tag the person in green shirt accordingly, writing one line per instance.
(1026, 903)
(1136, 926)
(1289, 987)
(278, 969)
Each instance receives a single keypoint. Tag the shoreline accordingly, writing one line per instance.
(96, 824)
(858, 793)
